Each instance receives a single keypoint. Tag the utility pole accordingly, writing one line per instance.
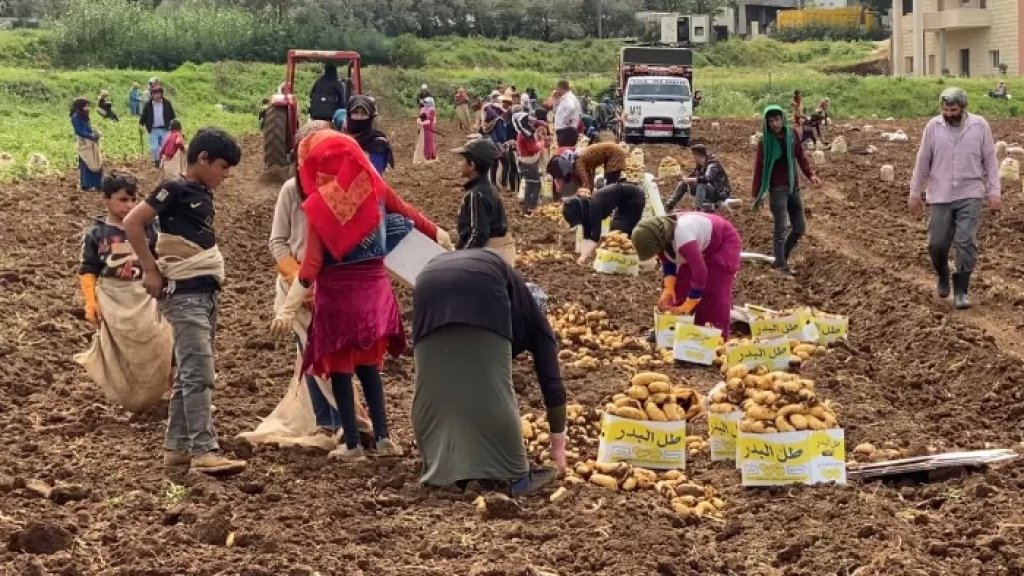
(600, 17)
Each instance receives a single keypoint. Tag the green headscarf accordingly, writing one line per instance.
(772, 152)
(653, 236)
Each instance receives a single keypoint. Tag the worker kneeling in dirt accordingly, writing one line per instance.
(622, 200)
(700, 255)
(472, 314)
(572, 171)
(707, 182)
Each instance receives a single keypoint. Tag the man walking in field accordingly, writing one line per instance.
(956, 170)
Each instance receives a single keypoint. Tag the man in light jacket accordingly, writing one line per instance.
(568, 113)
(956, 170)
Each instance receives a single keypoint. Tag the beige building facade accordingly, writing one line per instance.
(966, 37)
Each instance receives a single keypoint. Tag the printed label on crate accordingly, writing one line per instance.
(798, 325)
(792, 458)
(723, 429)
(657, 445)
(608, 262)
(665, 327)
(831, 328)
(696, 344)
(773, 355)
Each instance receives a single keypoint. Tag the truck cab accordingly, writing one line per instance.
(657, 108)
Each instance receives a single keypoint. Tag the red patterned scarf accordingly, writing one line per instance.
(344, 191)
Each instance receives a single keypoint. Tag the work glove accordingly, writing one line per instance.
(586, 251)
(558, 450)
(288, 268)
(668, 293)
(444, 239)
(92, 306)
(282, 324)
(687, 308)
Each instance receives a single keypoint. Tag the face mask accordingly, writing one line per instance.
(359, 126)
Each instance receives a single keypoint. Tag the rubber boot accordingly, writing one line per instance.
(961, 285)
(942, 284)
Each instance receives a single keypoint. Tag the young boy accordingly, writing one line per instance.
(130, 358)
(186, 275)
(172, 153)
(105, 249)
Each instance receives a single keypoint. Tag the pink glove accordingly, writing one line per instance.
(558, 450)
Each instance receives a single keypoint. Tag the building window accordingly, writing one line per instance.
(931, 64)
(993, 55)
(908, 64)
(908, 7)
(698, 31)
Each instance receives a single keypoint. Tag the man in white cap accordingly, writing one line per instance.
(956, 170)
(147, 94)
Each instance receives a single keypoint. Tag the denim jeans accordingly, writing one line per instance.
(156, 141)
(788, 214)
(373, 390)
(193, 319)
(326, 415)
(531, 180)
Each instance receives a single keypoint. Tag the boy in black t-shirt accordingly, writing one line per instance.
(186, 275)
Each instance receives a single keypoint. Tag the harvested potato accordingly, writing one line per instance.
(631, 413)
(647, 378)
(604, 481)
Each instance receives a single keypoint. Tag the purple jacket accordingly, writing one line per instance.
(956, 167)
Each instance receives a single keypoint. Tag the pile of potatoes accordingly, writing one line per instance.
(651, 396)
(772, 402)
(686, 498)
(669, 167)
(551, 211)
(582, 429)
(867, 452)
(636, 169)
(590, 341)
(802, 352)
(531, 257)
(617, 242)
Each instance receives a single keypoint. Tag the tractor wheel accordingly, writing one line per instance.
(275, 140)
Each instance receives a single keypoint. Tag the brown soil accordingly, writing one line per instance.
(915, 376)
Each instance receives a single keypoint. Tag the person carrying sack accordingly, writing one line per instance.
(130, 356)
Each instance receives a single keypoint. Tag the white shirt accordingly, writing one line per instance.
(568, 112)
(690, 227)
(524, 100)
(158, 115)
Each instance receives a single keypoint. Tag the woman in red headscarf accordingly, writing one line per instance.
(356, 320)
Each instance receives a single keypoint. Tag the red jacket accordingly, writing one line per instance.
(780, 176)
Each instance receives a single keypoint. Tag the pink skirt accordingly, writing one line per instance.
(722, 258)
(355, 320)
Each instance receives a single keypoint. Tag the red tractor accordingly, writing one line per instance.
(281, 116)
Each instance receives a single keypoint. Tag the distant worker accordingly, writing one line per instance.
(106, 107)
(568, 113)
(327, 95)
(157, 116)
(956, 169)
(462, 113)
(572, 170)
(1001, 92)
(778, 157)
(135, 100)
(707, 182)
(622, 201)
(796, 109)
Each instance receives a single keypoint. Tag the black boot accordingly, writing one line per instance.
(961, 284)
(942, 285)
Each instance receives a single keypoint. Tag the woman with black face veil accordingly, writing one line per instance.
(360, 125)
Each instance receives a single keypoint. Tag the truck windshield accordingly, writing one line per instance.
(658, 91)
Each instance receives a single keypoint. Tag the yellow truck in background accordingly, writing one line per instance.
(853, 17)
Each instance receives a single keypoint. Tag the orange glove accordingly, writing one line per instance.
(668, 293)
(687, 308)
(288, 268)
(92, 307)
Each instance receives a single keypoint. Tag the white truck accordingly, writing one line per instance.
(657, 97)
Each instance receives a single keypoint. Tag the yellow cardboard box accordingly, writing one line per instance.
(655, 445)
(665, 327)
(696, 344)
(773, 355)
(797, 325)
(831, 327)
(809, 457)
(608, 262)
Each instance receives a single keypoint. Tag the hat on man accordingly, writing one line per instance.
(481, 151)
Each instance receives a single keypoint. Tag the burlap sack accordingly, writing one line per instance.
(89, 152)
(292, 422)
(130, 357)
